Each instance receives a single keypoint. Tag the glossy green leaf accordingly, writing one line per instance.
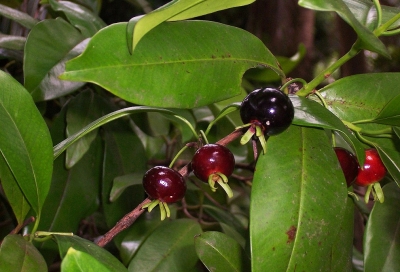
(231, 232)
(47, 44)
(79, 16)
(297, 202)
(138, 233)
(74, 192)
(169, 248)
(224, 217)
(391, 160)
(382, 236)
(123, 154)
(219, 252)
(193, 53)
(15, 197)
(361, 97)
(17, 254)
(311, 114)
(51, 86)
(342, 251)
(390, 114)
(79, 261)
(62, 146)
(368, 39)
(25, 143)
(174, 11)
(287, 65)
(12, 42)
(365, 12)
(100, 254)
(82, 110)
(397, 131)
(18, 16)
(122, 182)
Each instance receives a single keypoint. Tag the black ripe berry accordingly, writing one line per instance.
(164, 184)
(268, 108)
(348, 163)
(214, 163)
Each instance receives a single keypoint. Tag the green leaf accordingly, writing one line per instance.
(390, 114)
(368, 39)
(193, 53)
(224, 217)
(137, 234)
(82, 110)
(361, 97)
(79, 16)
(15, 197)
(62, 146)
(51, 86)
(17, 254)
(47, 44)
(79, 261)
(123, 154)
(25, 142)
(382, 236)
(169, 248)
(397, 131)
(311, 114)
(18, 16)
(342, 251)
(391, 160)
(122, 182)
(12, 42)
(287, 65)
(297, 202)
(104, 257)
(219, 252)
(74, 193)
(365, 13)
(174, 11)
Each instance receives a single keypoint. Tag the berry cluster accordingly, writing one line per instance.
(266, 111)
(372, 172)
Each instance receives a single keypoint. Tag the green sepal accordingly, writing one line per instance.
(378, 193)
(167, 210)
(247, 136)
(368, 193)
(162, 210)
(226, 187)
(211, 182)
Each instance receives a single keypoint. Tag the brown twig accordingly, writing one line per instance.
(131, 217)
(123, 224)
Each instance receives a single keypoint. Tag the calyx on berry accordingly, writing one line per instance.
(267, 112)
(371, 174)
(163, 185)
(348, 163)
(214, 163)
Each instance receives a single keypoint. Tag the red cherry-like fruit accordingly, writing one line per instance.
(348, 163)
(373, 171)
(163, 185)
(214, 163)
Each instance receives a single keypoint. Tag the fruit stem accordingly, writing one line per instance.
(188, 124)
(284, 86)
(177, 155)
(321, 98)
(203, 135)
(378, 13)
(309, 87)
(228, 109)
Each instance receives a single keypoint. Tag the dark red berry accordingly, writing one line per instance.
(212, 159)
(348, 163)
(164, 184)
(269, 108)
(373, 171)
